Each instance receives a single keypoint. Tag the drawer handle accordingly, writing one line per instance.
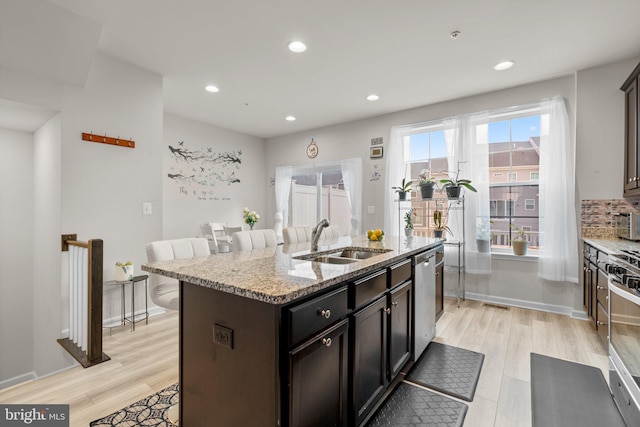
(387, 310)
(395, 303)
(599, 323)
(326, 342)
(601, 288)
(325, 313)
(437, 273)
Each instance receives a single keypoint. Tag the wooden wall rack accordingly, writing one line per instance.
(108, 140)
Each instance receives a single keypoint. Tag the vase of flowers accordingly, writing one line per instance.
(250, 217)
(124, 271)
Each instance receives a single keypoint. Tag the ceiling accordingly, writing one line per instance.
(400, 50)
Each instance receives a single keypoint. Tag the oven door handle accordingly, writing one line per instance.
(623, 292)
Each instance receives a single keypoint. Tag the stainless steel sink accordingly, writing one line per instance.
(333, 259)
(343, 255)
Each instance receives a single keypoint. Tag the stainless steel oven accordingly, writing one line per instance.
(624, 333)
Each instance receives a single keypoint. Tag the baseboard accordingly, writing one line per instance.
(551, 308)
(114, 321)
(29, 376)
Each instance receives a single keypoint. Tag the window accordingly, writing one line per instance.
(513, 140)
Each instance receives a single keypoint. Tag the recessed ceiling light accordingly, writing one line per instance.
(504, 65)
(212, 88)
(373, 97)
(297, 46)
(290, 118)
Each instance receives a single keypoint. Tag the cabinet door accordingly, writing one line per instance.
(631, 139)
(439, 290)
(318, 380)
(369, 327)
(586, 285)
(593, 298)
(399, 328)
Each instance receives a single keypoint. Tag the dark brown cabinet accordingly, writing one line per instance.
(319, 375)
(439, 287)
(399, 328)
(369, 327)
(632, 134)
(595, 289)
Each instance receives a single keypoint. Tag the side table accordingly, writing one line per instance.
(132, 317)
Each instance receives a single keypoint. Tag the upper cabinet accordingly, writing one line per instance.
(632, 139)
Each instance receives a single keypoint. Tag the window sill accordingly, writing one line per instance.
(531, 256)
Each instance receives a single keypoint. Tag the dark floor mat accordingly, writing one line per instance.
(410, 405)
(567, 394)
(450, 370)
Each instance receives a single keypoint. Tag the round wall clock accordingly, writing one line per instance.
(312, 149)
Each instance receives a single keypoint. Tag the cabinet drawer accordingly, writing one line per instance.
(399, 273)
(311, 317)
(368, 288)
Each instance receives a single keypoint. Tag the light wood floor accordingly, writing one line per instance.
(146, 361)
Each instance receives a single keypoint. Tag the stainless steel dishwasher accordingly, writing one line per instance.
(424, 300)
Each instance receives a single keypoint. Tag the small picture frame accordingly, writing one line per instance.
(376, 152)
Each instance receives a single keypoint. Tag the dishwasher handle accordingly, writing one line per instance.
(424, 257)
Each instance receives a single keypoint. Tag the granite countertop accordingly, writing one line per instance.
(613, 246)
(274, 276)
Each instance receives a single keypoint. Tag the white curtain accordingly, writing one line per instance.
(558, 255)
(352, 178)
(282, 188)
(467, 151)
(397, 156)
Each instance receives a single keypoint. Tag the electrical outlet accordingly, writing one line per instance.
(223, 336)
(371, 209)
(146, 208)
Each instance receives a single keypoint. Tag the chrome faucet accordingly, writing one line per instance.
(316, 232)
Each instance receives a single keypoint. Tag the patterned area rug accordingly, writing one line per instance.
(447, 369)
(150, 411)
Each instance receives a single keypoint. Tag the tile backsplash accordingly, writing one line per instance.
(597, 216)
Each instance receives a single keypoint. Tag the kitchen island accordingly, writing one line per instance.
(273, 337)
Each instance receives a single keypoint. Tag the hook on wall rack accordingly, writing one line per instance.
(108, 140)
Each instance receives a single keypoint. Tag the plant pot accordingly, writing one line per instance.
(408, 232)
(438, 234)
(426, 190)
(402, 195)
(124, 273)
(483, 245)
(453, 192)
(520, 247)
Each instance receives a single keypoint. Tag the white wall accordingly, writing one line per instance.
(16, 263)
(600, 130)
(184, 211)
(353, 139)
(90, 189)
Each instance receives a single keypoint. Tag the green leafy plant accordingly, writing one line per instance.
(519, 235)
(455, 181)
(123, 264)
(425, 177)
(405, 187)
(408, 218)
(440, 222)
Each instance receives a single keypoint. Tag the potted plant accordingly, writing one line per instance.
(408, 222)
(124, 271)
(439, 224)
(403, 189)
(484, 235)
(426, 183)
(519, 240)
(453, 184)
